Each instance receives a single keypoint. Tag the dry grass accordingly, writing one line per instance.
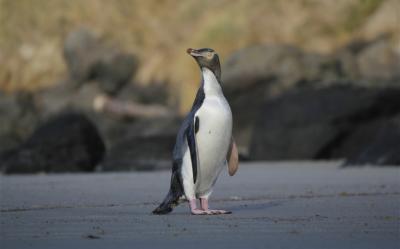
(31, 32)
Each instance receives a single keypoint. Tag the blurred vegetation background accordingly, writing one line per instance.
(159, 31)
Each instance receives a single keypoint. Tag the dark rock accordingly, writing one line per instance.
(114, 130)
(246, 106)
(66, 143)
(113, 71)
(375, 143)
(8, 141)
(54, 100)
(153, 93)
(379, 62)
(18, 117)
(88, 58)
(140, 145)
(309, 123)
(140, 153)
(286, 64)
(80, 53)
(370, 62)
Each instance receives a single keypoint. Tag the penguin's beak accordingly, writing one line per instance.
(193, 52)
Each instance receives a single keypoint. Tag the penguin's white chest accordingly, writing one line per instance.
(213, 140)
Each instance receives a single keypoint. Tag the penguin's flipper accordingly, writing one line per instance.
(233, 158)
(191, 140)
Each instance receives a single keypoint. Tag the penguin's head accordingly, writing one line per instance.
(206, 58)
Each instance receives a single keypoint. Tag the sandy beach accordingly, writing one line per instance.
(274, 205)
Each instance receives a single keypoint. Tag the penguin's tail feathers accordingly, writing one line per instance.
(170, 201)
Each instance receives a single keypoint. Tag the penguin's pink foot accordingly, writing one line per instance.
(193, 208)
(204, 208)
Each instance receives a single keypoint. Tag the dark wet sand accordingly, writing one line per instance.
(275, 205)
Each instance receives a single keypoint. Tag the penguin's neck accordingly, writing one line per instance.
(211, 85)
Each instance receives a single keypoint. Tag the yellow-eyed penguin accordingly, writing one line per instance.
(204, 144)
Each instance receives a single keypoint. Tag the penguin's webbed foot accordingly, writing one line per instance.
(204, 208)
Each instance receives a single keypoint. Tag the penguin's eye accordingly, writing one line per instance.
(209, 55)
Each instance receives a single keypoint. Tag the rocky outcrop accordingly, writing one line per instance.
(140, 153)
(287, 104)
(88, 58)
(286, 64)
(66, 143)
(332, 122)
(18, 118)
(138, 125)
(141, 145)
(254, 75)
(375, 143)
(370, 62)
